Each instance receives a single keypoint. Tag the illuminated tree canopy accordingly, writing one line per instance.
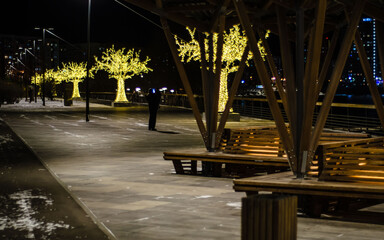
(235, 42)
(121, 65)
(51, 76)
(72, 72)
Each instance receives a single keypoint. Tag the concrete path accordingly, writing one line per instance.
(114, 166)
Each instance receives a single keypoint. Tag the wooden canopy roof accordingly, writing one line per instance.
(299, 25)
(201, 14)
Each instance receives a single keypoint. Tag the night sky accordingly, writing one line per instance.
(110, 22)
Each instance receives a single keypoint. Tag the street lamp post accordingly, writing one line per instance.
(34, 65)
(88, 62)
(43, 65)
(43, 68)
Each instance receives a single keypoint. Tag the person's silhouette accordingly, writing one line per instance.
(153, 98)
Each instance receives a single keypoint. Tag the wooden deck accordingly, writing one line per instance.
(286, 182)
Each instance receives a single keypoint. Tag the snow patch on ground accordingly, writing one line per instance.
(236, 205)
(203, 196)
(6, 139)
(23, 218)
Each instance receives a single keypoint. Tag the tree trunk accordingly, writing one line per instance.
(75, 93)
(223, 94)
(120, 95)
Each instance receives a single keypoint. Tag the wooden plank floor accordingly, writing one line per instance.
(286, 182)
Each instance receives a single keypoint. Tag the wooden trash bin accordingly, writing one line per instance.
(269, 216)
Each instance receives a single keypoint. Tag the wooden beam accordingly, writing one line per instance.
(336, 74)
(369, 77)
(300, 90)
(210, 82)
(184, 79)
(327, 63)
(380, 45)
(374, 11)
(178, 18)
(216, 79)
(222, 7)
(204, 74)
(312, 74)
(288, 69)
(188, 9)
(265, 79)
(267, 5)
(370, 9)
(275, 74)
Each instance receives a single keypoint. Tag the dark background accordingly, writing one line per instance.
(110, 22)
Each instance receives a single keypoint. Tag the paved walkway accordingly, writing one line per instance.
(33, 205)
(114, 166)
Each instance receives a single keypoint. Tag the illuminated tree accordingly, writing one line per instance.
(121, 65)
(50, 79)
(234, 45)
(72, 72)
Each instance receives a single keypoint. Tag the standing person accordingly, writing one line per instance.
(153, 99)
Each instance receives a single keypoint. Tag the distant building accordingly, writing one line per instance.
(21, 55)
(353, 75)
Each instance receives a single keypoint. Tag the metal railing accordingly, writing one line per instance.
(342, 116)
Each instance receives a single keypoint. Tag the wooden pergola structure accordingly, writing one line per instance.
(300, 25)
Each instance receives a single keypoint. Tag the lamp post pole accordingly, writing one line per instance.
(88, 62)
(34, 70)
(43, 68)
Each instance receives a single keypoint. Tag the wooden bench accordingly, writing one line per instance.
(353, 161)
(248, 147)
(246, 150)
(351, 176)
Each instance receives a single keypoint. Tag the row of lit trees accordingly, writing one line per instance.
(119, 64)
(122, 65)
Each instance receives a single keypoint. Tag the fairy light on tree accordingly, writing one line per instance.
(235, 42)
(121, 65)
(75, 73)
(50, 75)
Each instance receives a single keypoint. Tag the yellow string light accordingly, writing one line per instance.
(234, 45)
(73, 72)
(50, 75)
(121, 65)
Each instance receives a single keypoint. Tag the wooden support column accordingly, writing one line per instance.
(289, 74)
(313, 62)
(335, 78)
(312, 75)
(369, 77)
(327, 63)
(204, 75)
(210, 98)
(184, 79)
(216, 83)
(275, 74)
(287, 60)
(300, 90)
(265, 79)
